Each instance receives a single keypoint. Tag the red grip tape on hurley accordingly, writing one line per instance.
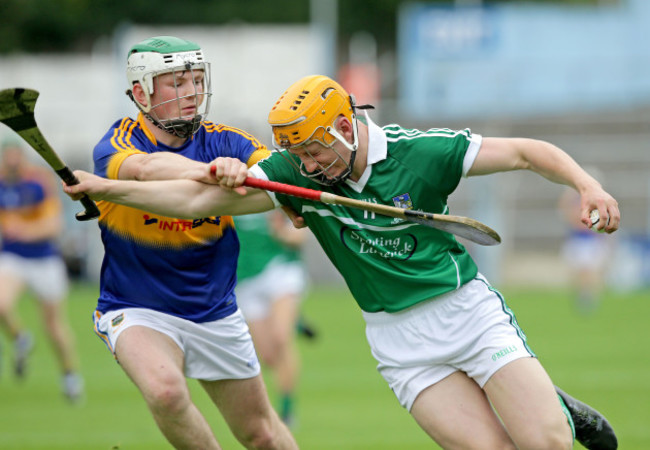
(274, 186)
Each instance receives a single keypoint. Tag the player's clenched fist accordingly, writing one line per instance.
(95, 187)
(229, 173)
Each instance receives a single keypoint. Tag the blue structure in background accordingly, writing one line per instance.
(522, 59)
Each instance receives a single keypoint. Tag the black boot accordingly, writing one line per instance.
(593, 430)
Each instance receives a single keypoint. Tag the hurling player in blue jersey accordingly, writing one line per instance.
(167, 306)
(30, 223)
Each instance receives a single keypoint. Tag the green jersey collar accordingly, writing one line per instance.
(377, 143)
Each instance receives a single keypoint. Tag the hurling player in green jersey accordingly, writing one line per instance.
(444, 339)
(271, 284)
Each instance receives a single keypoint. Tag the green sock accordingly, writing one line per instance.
(286, 405)
(568, 417)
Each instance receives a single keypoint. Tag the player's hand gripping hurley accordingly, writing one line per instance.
(467, 228)
(17, 112)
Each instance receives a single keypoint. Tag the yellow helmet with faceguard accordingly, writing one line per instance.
(307, 112)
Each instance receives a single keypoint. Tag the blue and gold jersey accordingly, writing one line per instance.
(31, 197)
(186, 268)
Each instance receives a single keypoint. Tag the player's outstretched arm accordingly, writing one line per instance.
(171, 166)
(186, 199)
(159, 166)
(504, 154)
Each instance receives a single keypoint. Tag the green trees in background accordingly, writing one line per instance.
(74, 25)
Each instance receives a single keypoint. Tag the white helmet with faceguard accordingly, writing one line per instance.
(307, 112)
(166, 54)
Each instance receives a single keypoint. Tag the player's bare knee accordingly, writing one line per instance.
(168, 398)
(549, 439)
(269, 358)
(282, 341)
(259, 437)
(264, 439)
(53, 328)
(476, 442)
(271, 354)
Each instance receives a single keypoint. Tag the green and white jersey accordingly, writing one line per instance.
(258, 247)
(390, 264)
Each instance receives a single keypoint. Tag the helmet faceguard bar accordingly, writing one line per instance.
(321, 175)
(183, 125)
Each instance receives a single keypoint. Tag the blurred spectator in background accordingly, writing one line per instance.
(585, 252)
(272, 281)
(30, 222)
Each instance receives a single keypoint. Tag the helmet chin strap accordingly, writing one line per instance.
(352, 147)
(345, 175)
(353, 154)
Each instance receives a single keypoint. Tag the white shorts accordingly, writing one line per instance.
(218, 350)
(47, 277)
(255, 295)
(470, 330)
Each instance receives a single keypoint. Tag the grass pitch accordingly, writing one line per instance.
(343, 403)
